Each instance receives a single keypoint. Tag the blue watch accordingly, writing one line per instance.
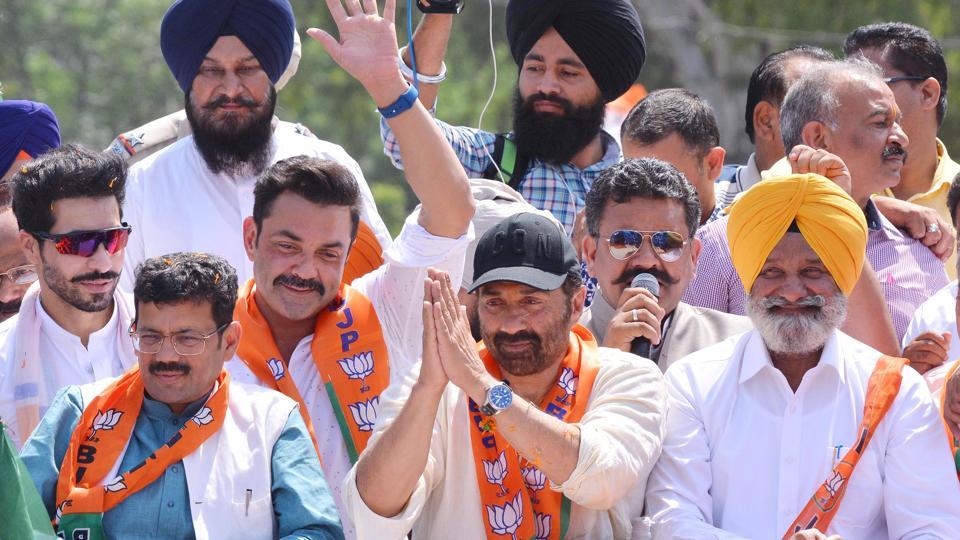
(499, 397)
(402, 104)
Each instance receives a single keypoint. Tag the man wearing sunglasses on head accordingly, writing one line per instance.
(641, 217)
(71, 327)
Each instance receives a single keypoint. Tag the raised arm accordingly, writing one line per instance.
(430, 47)
(367, 51)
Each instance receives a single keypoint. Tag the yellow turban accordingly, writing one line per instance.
(829, 220)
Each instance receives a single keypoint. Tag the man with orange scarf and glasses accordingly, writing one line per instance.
(331, 345)
(536, 432)
(795, 430)
(174, 448)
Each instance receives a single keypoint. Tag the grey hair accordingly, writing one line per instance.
(814, 97)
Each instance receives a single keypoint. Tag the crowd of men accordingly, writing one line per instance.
(210, 333)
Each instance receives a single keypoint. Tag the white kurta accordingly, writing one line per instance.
(175, 203)
(620, 437)
(61, 357)
(744, 453)
(396, 292)
(938, 314)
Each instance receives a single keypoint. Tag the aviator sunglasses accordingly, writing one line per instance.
(85, 243)
(625, 243)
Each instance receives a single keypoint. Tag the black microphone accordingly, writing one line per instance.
(641, 345)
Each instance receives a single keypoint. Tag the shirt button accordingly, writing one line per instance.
(169, 504)
(173, 421)
(175, 469)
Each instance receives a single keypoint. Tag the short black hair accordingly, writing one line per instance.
(68, 172)
(907, 48)
(668, 111)
(953, 198)
(768, 81)
(319, 181)
(188, 277)
(644, 178)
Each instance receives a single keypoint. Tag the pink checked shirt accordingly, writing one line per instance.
(908, 272)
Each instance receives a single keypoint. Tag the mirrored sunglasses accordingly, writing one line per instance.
(85, 243)
(625, 243)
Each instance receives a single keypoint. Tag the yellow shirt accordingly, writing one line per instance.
(936, 197)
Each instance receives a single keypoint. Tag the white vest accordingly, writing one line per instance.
(232, 461)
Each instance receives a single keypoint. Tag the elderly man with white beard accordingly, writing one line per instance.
(795, 430)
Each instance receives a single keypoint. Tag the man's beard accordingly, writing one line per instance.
(797, 333)
(68, 290)
(9, 309)
(238, 144)
(554, 138)
(544, 349)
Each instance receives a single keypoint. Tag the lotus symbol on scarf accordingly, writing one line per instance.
(365, 413)
(117, 485)
(60, 508)
(568, 383)
(543, 526)
(534, 479)
(505, 519)
(496, 472)
(105, 420)
(277, 368)
(203, 417)
(358, 366)
(834, 483)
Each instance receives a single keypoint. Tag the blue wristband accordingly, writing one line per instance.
(402, 104)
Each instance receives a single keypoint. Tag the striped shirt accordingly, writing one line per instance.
(908, 271)
(558, 189)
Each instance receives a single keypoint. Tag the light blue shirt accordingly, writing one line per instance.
(303, 505)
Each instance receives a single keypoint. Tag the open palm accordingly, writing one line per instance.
(367, 48)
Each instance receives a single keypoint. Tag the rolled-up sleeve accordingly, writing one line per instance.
(473, 147)
(620, 434)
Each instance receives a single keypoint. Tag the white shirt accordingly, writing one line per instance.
(174, 202)
(744, 454)
(620, 436)
(938, 314)
(396, 292)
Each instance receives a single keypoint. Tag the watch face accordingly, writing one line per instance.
(501, 397)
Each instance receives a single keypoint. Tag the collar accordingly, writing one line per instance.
(611, 152)
(756, 357)
(47, 324)
(749, 174)
(874, 218)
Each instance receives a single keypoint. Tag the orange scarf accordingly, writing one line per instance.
(510, 486)
(882, 389)
(101, 436)
(348, 350)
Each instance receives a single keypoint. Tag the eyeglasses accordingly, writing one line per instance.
(19, 275)
(185, 344)
(85, 243)
(625, 243)
(891, 80)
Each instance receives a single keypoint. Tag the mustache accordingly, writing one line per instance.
(10, 308)
(502, 338)
(540, 96)
(300, 283)
(169, 367)
(224, 100)
(894, 150)
(627, 276)
(815, 300)
(96, 276)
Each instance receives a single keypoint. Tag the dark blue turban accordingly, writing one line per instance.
(605, 34)
(191, 27)
(26, 126)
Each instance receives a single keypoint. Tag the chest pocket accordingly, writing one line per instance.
(862, 505)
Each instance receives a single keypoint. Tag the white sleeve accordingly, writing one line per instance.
(396, 288)
(134, 253)
(921, 495)
(678, 494)
(369, 524)
(368, 210)
(620, 434)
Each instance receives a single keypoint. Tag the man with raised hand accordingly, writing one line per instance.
(329, 343)
(72, 324)
(535, 432)
(573, 59)
(174, 448)
(795, 426)
(227, 57)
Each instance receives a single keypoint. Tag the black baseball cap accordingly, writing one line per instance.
(525, 248)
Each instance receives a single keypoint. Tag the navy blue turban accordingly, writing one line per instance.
(605, 34)
(26, 126)
(191, 27)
